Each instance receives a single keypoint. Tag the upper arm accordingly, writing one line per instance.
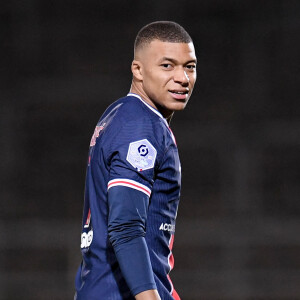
(134, 157)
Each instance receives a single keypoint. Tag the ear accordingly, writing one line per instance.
(136, 69)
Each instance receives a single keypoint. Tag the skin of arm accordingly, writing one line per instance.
(148, 295)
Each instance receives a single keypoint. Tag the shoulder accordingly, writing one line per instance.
(131, 115)
(132, 122)
(134, 110)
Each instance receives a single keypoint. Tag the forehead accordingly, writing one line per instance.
(178, 51)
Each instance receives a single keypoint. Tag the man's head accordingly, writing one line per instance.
(164, 31)
(164, 66)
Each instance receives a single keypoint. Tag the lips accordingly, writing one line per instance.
(179, 94)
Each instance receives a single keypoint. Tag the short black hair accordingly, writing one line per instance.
(165, 31)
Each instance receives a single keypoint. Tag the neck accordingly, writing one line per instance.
(136, 89)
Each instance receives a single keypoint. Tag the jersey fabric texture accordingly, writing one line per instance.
(131, 199)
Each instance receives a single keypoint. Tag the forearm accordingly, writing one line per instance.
(134, 261)
(148, 295)
(126, 230)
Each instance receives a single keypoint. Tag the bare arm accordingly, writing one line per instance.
(148, 295)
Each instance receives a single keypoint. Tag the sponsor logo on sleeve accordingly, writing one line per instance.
(141, 155)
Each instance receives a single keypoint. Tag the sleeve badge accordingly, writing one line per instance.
(141, 155)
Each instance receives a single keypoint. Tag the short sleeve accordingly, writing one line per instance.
(134, 156)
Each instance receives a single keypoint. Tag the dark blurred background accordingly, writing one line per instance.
(63, 62)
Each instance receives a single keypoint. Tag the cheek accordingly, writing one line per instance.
(192, 80)
(155, 82)
(194, 76)
(149, 77)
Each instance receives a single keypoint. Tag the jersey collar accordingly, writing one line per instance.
(150, 107)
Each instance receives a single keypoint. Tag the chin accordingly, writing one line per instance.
(179, 106)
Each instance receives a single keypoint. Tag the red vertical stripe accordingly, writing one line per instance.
(175, 295)
(171, 258)
(88, 219)
(171, 264)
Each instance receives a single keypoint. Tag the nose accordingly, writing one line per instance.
(180, 76)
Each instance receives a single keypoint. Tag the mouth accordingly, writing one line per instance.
(179, 94)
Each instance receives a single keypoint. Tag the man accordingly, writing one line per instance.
(133, 175)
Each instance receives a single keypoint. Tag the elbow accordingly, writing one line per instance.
(122, 233)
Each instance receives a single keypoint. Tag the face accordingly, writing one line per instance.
(166, 74)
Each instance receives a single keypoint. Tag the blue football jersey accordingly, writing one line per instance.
(131, 199)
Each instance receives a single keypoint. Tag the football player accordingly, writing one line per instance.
(134, 175)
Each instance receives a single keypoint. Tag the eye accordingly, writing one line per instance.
(166, 66)
(191, 67)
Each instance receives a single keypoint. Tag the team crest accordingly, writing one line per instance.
(141, 155)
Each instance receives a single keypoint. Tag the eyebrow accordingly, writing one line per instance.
(176, 61)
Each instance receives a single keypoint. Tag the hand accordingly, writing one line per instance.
(148, 295)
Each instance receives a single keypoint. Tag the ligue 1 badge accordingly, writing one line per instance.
(141, 155)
